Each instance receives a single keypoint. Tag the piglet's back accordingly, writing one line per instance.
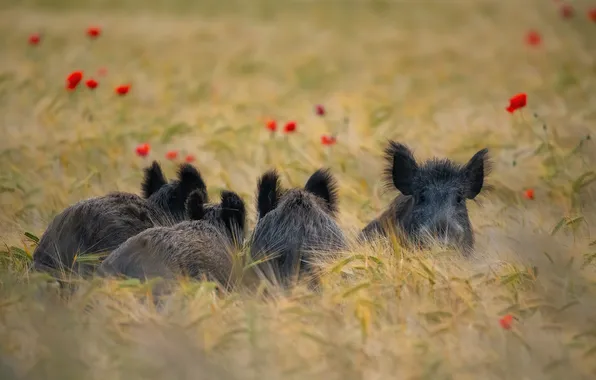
(202, 248)
(94, 225)
(194, 249)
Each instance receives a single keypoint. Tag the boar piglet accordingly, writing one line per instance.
(432, 204)
(295, 226)
(99, 225)
(200, 248)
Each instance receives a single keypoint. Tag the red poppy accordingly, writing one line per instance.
(328, 140)
(73, 79)
(172, 155)
(592, 14)
(189, 158)
(529, 194)
(320, 110)
(506, 321)
(533, 38)
(93, 31)
(34, 39)
(271, 125)
(123, 89)
(516, 102)
(290, 127)
(566, 11)
(102, 71)
(91, 83)
(143, 149)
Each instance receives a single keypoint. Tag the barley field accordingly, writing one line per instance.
(205, 80)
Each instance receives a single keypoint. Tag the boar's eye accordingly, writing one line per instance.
(459, 199)
(421, 198)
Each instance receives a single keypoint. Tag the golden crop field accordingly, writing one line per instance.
(205, 78)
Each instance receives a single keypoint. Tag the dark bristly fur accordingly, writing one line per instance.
(153, 180)
(99, 225)
(195, 205)
(172, 197)
(402, 167)
(190, 180)
(322, 184)
(294, 225)
(432, 201)
(233, 215)
(269, 192)
(199, 248)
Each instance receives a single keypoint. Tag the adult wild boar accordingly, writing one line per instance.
(432, 204)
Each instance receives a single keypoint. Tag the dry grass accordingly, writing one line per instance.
(435, 75)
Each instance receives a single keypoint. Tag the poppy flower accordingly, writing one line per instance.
(533, 38)
(290, 127)
(271, 125)
(529, 194)
(172, 155)
(73, 79)
(123, 89)
(566, 11)
(506, 321)
(189, 158)
(34, 39)
(592, 14)
(516, 102)
(328, 140)
(91, 83)
(320, 110)
(102, 71)
(143, 149)
(93, 31)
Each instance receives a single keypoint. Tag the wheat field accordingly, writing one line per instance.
(205, 78)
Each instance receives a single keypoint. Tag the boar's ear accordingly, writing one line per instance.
(401, 167)
(233, 213)
(153, 179)
(474, 172)
(323, 184)
(189, 180)
(195, 205)
(268, 192)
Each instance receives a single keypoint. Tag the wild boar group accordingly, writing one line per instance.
(174, 230)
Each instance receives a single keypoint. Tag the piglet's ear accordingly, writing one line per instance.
(268, 192)
(153, 179)
(195, 205)
(189, 180)
(323, 184)
(233, 213)
(401, 167)
(475, 171)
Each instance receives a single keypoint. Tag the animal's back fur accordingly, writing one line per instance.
(394, 217)
(295, 230)
(95, 225)
(193, 248)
